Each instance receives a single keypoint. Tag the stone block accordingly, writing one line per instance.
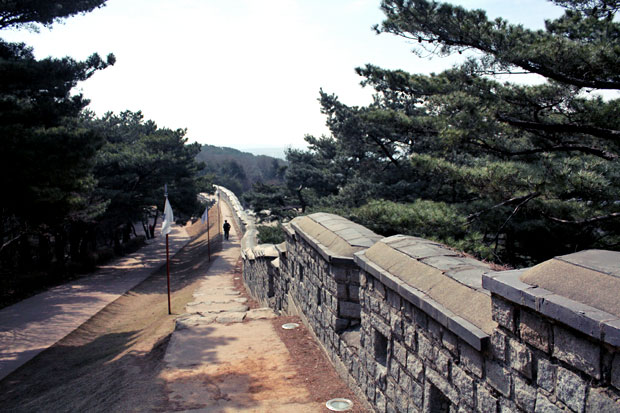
(471, 359)
(507, 406)
(442, 361)
(535, 331)
(499, 345)
(546, 375)
(404, 382)
(503, 313)
(543, 405)
(611, 332)
(402, 401)
(426, 349)
(576, 351)
(354, 292)
(396, 323)
(380, 401)
(399, 353)
(600, 402)
(450, 342)
(465, 384)
(349, 310)
(380, 326)
(409, 336)
(443, 386)
(415, 367)
(341, 324)
(379, 289)
(390, 391)
(341, 291)
(371, 390)
(434, 329)
(570, 389)
(520, 358)
(498, 377)
(420, 318)
(338, 273)
(393, 300)
(374, 304)
(381, 377)
(525, 395)
(394, 370)
(417, 395)
(384, 310)
(615, 371)
(486, 402)
(363, 279)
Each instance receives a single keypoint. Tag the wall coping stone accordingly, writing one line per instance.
(281, 248)
(591, 321)
(321, 249)
(591, 277)
(289, 230)
(443, 275)
(470, 333)
(607, 262)
(348, 237)
(265, 250)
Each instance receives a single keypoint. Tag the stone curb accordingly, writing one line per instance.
(471, 334)
(591, 321)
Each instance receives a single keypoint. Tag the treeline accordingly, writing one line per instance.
(239, 171)
(512, 173)
(75, 185)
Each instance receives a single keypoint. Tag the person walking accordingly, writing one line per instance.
(226, 229)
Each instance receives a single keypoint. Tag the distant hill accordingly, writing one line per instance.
(238, 170)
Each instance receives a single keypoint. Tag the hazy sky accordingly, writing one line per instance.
(241, 73)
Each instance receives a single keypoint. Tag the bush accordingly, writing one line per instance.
(270, 234)
(437, 221)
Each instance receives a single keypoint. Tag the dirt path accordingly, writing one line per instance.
(36, 323)
(115, 362)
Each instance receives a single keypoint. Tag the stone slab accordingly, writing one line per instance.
(231, 317)
(217, 307)
(260, 314)
(604, 261)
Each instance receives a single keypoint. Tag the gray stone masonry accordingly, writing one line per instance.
(405, 351)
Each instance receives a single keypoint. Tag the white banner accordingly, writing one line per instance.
(166, 226)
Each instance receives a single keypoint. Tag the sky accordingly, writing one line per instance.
(241, 73)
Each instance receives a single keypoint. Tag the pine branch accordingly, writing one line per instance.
(585, 221)
(520, 199)
(562, 128)
(559, 148)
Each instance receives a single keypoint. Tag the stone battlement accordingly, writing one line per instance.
(416, 326)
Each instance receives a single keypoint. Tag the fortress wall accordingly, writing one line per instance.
(417, 327)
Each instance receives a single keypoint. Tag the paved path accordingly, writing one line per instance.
(225, 358)
(32, 325)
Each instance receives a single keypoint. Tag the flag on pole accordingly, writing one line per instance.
(205, 215)
(168, 219)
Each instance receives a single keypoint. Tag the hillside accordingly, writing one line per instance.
(239, 170)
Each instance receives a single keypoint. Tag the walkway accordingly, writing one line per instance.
(226, 358)
(35, 324)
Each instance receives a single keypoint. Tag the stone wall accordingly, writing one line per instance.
(244, 222)
(417, 327)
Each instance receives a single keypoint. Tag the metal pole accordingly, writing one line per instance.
(219, 214)
(167, 256)
(208, 236)
(168, 272)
